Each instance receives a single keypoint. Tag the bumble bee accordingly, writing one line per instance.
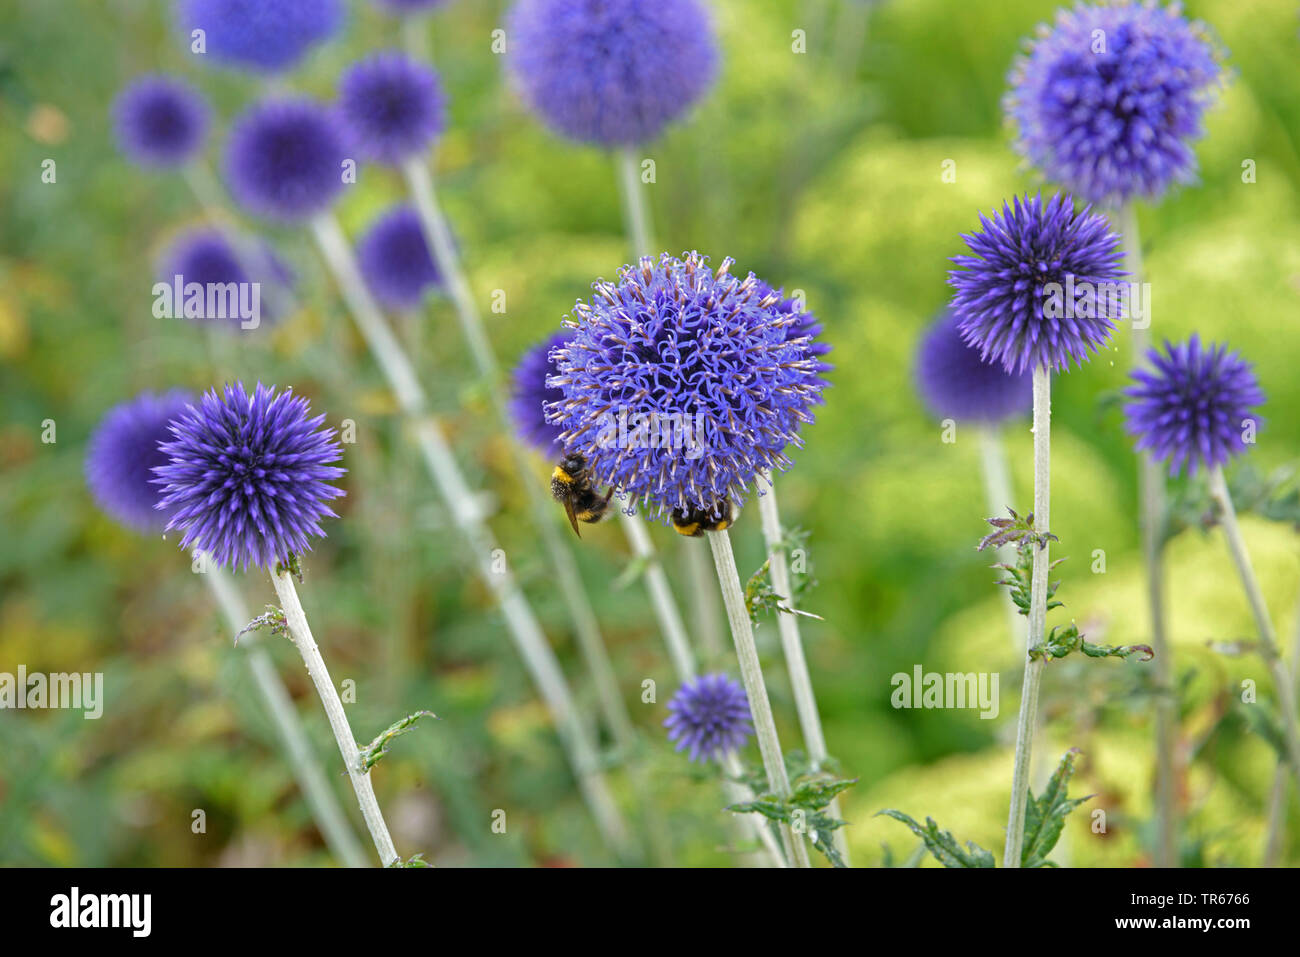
(571, 486)
(694, 522)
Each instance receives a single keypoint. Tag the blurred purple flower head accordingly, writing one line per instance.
(205, 255)
(395, 260)
(392, 106)
(611, 72)
(122, 453)
(710, 717)
(1043, 286)
(160, 121)
(1108, 101)
(1191, 406)
(247, 476)
(268, 36)
(680, 383)
(285, 159)
(530, 395)
(405, 7)
(956, 383)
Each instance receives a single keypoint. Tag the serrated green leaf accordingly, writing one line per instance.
(1045, 816)
(942, 844)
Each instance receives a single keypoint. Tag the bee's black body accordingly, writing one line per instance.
(694, 522)
(571, 486)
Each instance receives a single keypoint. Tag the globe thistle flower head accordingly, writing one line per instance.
(1192, 406)
(393, 106)
(285, 158)
(122, 453)
(530, 395)
(1042, 288)
(160, 121)
(1108, 100)
(709, 718)
(404, 8)
(247, 476)
(267, 36)
(680, 383)
(611, 72)
(395, 260)
(206, 256)
(954, 382)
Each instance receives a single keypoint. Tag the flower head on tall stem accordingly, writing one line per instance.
(206, 256)
(392, 106)
(530, 395)
(160, 121)
(267, 36)
(1036, 292)
(674, 344)
(1107, 101)
(611, 72)
(1191, 407)
(285, 159)
(954, 382)
(395, 261)
(709, 718)
(247, 476)
(122, 453)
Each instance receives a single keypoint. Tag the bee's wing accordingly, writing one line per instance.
(573, 516)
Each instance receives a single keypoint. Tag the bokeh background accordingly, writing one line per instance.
(820, 172)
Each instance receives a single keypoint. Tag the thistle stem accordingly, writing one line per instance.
(1278, 796)
(751, 675)
(997, 488)
(805, 701)
(1036, 632)
(1282, 680)
(338, 834)
(300, 633)
(661, 596)
(529, 639)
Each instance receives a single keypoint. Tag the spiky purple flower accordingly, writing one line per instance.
(1042, 288)
(205, 256)
(264, 35)
(1192, 407)
(1108, 101)
(530, 395)
(285, 159)
(392, 106)
(160, 121)
(122, 453)
(395, 260)
(710, 717)
(806, 327)
(680, 383)
(247, 477)
(956, 383)
(611, 72)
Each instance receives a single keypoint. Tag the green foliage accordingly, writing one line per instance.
(376, 749)
(761, 598)
(272, 618)
(1065, 639)
(811, 792)
(415, 861)
(942, 844)
(1045, 815)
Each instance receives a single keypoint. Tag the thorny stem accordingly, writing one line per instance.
(1036, 631)
(997, 487)
(1263, 623)
(1278, 796)
(530, 640)
(324, 805)
(805, 701)
(751, 675)
(300, 633)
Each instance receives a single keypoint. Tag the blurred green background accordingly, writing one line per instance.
(820, 172)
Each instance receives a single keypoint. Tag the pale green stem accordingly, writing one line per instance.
(1035, 633)
(661, 596)
(751, 676)
(415, 37)
(530, 641)
(1278, 797)
(1282, 680)
(850, 34)
(997, 487)
(338, 834)
(300, 633)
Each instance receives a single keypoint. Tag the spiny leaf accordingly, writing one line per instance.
(942, 844)
(1045, 816)
(376, 749)
(415, 861)
(272, 618)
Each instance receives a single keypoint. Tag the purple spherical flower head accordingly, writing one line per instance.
(1108, 100)
(205, 256)
(285, 159)
(710, 717)
(530, 394)
(956, 383)
(395, 260)
(160, 121)
(1191, 406)
(122, 453)
(1043, 286)
(247, 476)
(680, 383)
(405, 7)
(265, 35)
(611, 72)
(393, 106)
(805, 326)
